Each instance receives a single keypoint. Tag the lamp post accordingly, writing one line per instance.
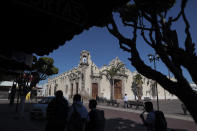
(154, 58)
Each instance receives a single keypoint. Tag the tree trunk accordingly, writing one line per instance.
(180, 88)
(112, 90)
(188, 98)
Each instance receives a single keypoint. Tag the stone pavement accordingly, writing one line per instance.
(171, 109)
(175, 116)
(129, 121)
(117, 119)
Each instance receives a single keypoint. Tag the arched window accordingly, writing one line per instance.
(66, 90)
(82, 76)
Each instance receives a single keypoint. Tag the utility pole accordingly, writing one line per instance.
(154, 58)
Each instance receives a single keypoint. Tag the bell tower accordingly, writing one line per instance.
(85, 65)
(85, 58)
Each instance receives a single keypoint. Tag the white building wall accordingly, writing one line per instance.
(128, 83)
(105, 87)
(88, 82)
(64, 83)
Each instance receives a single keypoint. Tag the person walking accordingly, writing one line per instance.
(125, 101)
(57, 113)
(78, 115)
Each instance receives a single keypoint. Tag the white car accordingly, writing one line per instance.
(39, 109)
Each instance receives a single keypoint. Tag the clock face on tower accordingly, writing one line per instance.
(84, 60)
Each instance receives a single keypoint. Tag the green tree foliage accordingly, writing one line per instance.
(149, 17)
(153, 89)
(137, 87)
(43, 68)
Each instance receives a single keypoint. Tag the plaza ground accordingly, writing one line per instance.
(117, 118)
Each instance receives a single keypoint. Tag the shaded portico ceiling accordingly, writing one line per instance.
(41, 26)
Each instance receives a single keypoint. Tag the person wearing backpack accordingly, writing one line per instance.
(96, 118)
(155, 120)
(57, 113)
(160, 121)
(78, 115)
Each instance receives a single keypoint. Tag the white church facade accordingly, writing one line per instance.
(89, 81)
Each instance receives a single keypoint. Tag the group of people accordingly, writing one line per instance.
(62, 117)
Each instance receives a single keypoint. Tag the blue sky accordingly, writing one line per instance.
(103, 47)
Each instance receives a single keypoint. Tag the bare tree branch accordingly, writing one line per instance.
(123, 47)
(146, 16)
(132, 25)
(145, 70)
(189, 46)
(145, 39)
(176, 18)
(151, 38)
(165, 43)
(187, 60)
(115, 32)
(171, 64)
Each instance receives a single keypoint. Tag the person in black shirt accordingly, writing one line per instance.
(57, 113)
(96, 118)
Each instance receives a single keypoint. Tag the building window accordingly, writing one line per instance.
(82, 76)
(77, 88)
(49, 91)
(66, 91)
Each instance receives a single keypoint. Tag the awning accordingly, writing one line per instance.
(41, 26)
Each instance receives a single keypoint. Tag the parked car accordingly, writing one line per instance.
(39, 109)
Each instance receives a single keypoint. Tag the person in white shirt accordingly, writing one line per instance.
(125, 101)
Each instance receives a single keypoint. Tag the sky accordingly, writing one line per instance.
(104, 47)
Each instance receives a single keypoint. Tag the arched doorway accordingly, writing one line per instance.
(94, 90)
(117, 89)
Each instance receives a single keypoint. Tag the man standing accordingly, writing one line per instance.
(96, 118)
(149, 122)
(78, 115)
(57, 113)
(125, 101)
